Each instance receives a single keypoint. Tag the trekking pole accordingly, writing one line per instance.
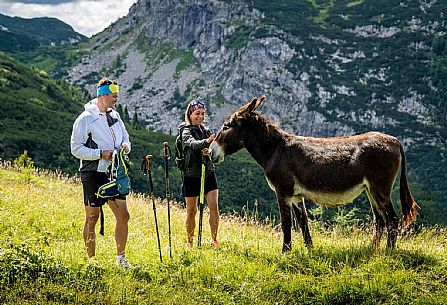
(201, 202)
(167, 155)
(148, 170)
(101, 212)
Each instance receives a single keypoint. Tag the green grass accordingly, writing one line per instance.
(354, 3)
(43, 261)
(239, 38)
(323, 9)
(187, 59)
(164, 53)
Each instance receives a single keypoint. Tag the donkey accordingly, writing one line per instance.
(326, 171)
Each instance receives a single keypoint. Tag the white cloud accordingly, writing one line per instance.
(86, 17)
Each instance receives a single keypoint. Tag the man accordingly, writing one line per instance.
(96, 133)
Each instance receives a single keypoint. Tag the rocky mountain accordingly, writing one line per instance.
(336, 68)
(327, 67)
(26, 35)
(165, 52)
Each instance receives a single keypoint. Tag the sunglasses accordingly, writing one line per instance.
(107, 82)
(197, 102)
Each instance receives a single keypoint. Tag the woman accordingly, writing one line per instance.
(196, 140)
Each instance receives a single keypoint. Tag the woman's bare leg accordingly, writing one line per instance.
(213, 206)
(191, 211)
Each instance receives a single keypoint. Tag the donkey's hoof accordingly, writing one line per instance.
(286, 248)
(309, 245)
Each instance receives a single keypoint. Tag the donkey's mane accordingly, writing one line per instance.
(270, 128)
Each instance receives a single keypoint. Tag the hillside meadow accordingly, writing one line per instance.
(43, 260)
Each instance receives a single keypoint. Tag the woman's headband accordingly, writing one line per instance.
(196, 104)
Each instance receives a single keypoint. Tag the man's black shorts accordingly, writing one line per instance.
(191, 185)
(91, 181)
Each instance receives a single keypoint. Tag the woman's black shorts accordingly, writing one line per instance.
(91, 181)
(191, 185)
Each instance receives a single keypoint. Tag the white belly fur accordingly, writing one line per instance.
(328, 199)
(331, 199)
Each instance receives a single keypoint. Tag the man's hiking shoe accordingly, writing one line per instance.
(215, 244)
(92, 263)
(122, 262)
(188, 245)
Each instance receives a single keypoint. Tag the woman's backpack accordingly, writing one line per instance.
(117, 171)
(179, 149)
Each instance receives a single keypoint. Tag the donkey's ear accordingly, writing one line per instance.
(258, 102)
(247, 107)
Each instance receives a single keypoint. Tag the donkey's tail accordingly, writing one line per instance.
(408, 205)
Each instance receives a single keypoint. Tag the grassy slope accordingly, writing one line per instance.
(42, 259)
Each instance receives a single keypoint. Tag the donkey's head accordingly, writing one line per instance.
(230, 138)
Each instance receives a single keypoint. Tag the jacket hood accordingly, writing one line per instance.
(92, 107)
(182, 125)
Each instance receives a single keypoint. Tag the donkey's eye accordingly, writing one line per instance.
(225, 127)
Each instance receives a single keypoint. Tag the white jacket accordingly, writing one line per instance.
(94, 132)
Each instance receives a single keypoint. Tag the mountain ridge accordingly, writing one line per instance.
(36, 32)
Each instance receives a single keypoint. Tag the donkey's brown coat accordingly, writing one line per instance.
(327, 171)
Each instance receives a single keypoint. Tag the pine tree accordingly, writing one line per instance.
(135, 122)
(126, 116)
(24, 161)
(119, 109)
(177, 97)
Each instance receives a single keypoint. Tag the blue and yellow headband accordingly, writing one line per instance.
(107, 89)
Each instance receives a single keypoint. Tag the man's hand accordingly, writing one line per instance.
(125, 147)
(107, 154)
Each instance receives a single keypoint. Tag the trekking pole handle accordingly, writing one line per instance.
(166, 156)
(148, 162)
(166, 146)
(167, 150)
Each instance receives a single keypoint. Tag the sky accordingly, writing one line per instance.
(87, 17)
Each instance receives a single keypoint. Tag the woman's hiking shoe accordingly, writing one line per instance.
(122, 262)
(188, 245)
(215, 244)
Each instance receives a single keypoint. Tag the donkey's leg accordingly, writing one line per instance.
(392, 224)
(301, 216)
(385, 207)
(379, 221)
(380, 226)
(286, 222)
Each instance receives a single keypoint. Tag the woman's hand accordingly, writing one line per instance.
(211, 138)
(206, 152)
